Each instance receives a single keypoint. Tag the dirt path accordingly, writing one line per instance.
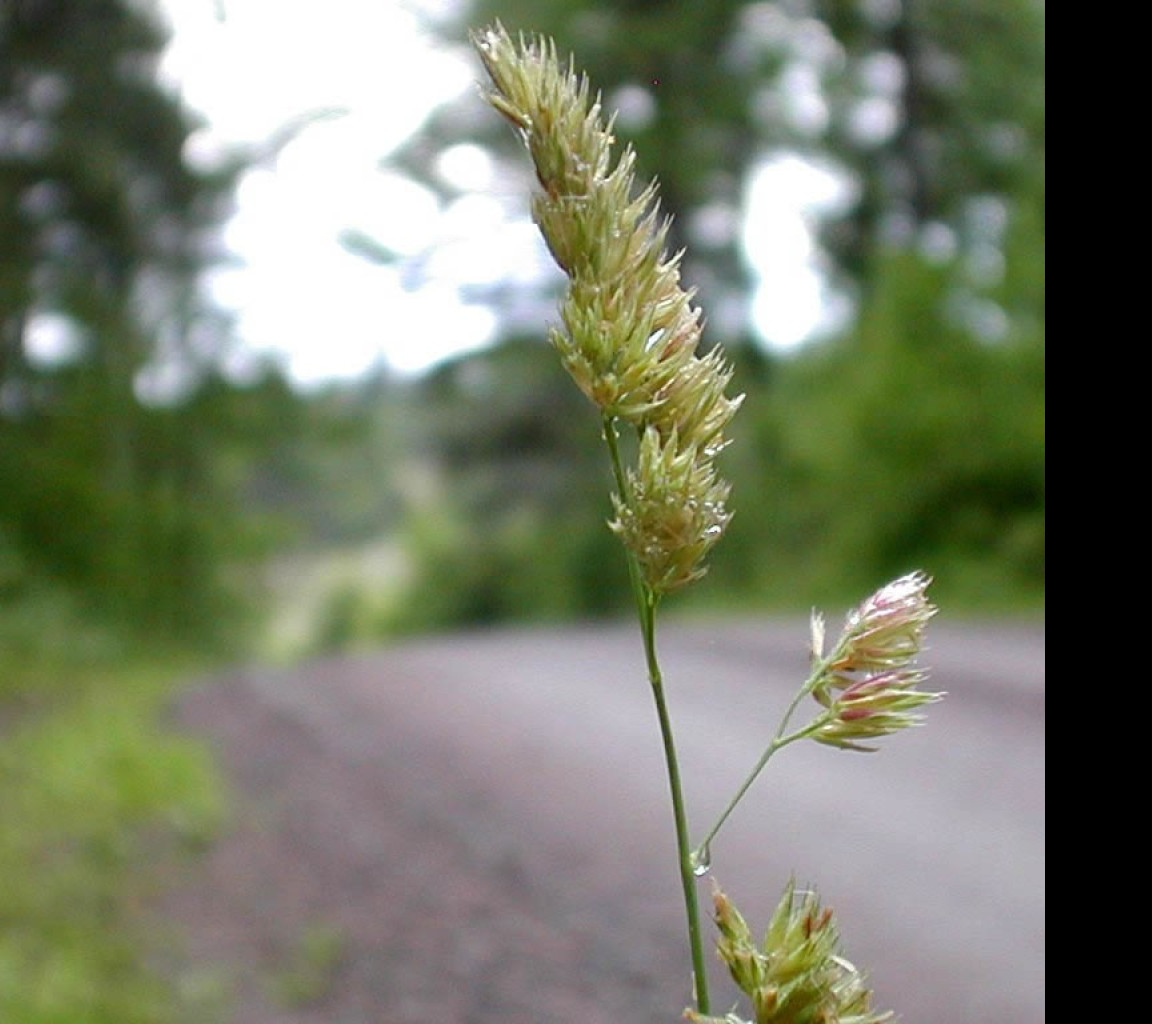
(474, 829)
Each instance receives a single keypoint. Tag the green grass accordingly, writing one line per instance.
(93, 793)
(311, 969)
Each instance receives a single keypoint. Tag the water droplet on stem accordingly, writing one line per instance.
(702, 861)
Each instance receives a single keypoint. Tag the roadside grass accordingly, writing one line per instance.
(311, 968)
(94, 793)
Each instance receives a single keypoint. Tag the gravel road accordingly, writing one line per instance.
(475, 828)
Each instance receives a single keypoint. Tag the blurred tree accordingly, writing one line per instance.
(938, 111)
(908, 443)
(105, 226)
(108, 480)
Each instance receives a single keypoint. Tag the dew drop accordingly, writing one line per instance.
(702, 861)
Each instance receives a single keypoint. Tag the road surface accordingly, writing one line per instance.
(475, 829)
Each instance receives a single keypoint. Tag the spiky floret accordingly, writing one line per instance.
(797, 975)
(629, 331)
(869, 681)
(887, 630)
(672, 513)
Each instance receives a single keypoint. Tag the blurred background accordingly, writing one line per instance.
(274, 379)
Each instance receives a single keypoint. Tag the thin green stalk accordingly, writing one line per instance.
(779, 741)
(647, 603)
(683, 842)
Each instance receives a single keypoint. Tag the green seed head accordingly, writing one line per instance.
(629, 332)
(797, 975)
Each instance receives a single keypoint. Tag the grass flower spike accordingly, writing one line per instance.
(675, 515)
(869, 681)
(797, 975)
(873, 706)
(887, 630)
(630, 331)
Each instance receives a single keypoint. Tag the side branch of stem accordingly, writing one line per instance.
(779, 741)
